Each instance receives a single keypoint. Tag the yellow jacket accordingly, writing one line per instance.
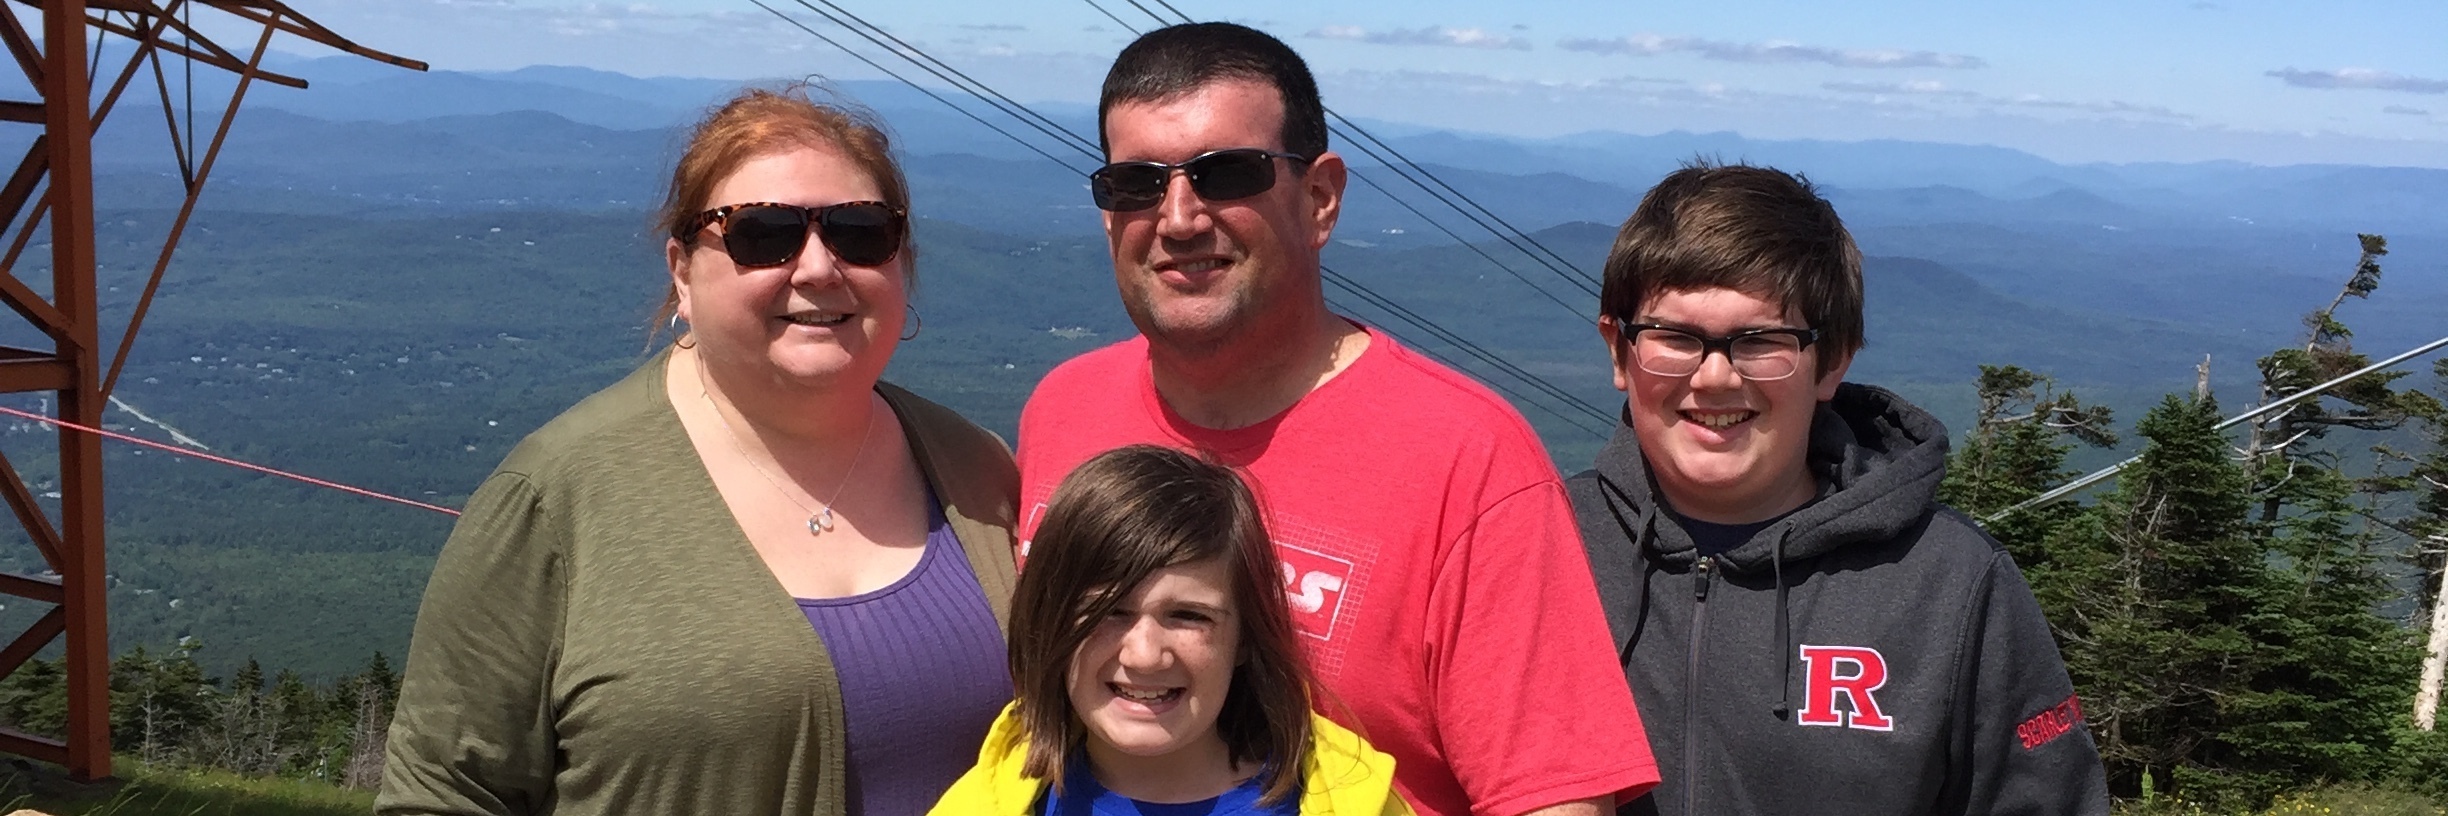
(1342, 777)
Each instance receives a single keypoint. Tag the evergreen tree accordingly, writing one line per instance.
(2228, 658)
(2280, 444)
(34, 698)
(2016, 450)
(294, 707)
(2426, 479)
(249, 679)
(2160, 578)
(2334, 675)
(2426, 528)
(385, 681)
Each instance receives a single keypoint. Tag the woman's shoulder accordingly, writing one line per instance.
(948, 445)
(616, 423)
(932, 420)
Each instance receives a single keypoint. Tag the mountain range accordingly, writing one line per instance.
(394, 276)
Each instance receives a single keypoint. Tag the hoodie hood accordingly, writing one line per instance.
(1878, 461)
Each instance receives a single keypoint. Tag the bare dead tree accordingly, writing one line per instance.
(367, 736)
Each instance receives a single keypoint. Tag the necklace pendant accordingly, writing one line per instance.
(820, 522)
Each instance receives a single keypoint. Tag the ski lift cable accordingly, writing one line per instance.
(1580, 282)
(1361, 138)
(1110, 16)
(2102, 474)
(137, 440)
(913, 54)
(1490, 358)
(1159, 18)
(1477, 249)
(1475, 349)
(1560, 265)
(1033, 148)
(1176, 12)
(877, 35)
(1497, 385)
(1010, 106)
(943, 71)
(1396, 166)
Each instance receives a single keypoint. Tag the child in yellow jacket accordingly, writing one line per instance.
(1155, 664)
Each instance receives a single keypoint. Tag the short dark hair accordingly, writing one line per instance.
(1116, 520)
(1175, 61)
(1756, 230)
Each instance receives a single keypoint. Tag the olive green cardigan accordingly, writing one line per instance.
(600, 638)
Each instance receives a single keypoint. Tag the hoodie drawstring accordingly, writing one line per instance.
(1640, 619)
(1784, 631)
(1642, 526)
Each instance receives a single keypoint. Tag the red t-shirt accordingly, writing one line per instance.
(1434, 569)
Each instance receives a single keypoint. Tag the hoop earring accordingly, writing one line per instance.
(914, 322)
(680, 336)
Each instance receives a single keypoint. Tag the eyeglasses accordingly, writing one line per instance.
(1222, 175)
(1757, 355)
(861, 233)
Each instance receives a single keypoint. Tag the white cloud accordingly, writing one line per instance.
(1774, 51)
(2359, 78)
(1932, 89)
(1459, 83)
(1917, 87)
(1425, 35)
(2402, 110)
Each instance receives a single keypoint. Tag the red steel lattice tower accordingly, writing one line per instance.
(63, 67)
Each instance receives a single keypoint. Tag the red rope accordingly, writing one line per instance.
(226, 461)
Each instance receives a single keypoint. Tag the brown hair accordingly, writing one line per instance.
(761, 121)
(1755, 230)
(1114, 521)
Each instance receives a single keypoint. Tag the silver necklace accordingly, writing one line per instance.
(820, 517)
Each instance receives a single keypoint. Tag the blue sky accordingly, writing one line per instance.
(2076, 80)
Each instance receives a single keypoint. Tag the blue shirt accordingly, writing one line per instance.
(1083, 796)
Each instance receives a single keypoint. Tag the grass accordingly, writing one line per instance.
(157, 791)
(2335, 800)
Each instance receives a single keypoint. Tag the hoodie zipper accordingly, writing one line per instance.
(1702, 572)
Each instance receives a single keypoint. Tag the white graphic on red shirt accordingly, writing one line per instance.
(1314, 584)
(1029, 528)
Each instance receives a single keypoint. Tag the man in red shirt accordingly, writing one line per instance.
(1430, 554)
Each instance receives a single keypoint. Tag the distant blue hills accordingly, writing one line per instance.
(2234, 250)
(395, 276)
(2015, 182)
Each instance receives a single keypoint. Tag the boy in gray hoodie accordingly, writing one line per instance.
(1805, 628)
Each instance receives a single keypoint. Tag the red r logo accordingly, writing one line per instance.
(1852, 671)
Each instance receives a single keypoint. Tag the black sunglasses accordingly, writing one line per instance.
(1222, 175)
(861, 233)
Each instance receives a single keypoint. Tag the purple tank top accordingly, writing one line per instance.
(921, 667)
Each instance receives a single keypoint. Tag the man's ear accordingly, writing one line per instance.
(1322, 188)
(1618, 355)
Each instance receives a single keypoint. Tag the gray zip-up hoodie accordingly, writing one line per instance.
(1871, 653)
